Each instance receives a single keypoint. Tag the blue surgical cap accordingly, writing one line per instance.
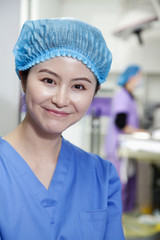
(44, 39)
(127, 74)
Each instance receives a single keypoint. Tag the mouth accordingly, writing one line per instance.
(57, 113)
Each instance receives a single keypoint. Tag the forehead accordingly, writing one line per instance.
(67, 65)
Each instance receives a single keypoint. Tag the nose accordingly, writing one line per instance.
(60, 97)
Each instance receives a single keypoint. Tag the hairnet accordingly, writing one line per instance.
(44, 39)
(127, 74)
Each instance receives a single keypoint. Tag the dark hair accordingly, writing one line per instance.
(97, 86)
(24, 74)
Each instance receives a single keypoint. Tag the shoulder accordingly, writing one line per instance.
(84, 155)
(122, 93)
(121, 101)
(3, 149)
(92, 163)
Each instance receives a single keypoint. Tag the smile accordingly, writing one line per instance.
(57, 113)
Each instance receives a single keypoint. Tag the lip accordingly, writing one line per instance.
(57, 113)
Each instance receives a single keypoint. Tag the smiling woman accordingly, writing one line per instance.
(49, 188)
(60, 100)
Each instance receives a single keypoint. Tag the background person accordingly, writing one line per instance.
(124, 120)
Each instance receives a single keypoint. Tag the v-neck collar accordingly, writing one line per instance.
(47, 198)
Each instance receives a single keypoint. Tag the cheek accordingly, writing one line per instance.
(134, 84)
(31, 96)
(83, 102)
(36, 94)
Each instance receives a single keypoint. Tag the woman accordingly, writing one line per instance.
(124, 120)
(49, 188)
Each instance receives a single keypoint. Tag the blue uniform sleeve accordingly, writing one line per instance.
(114, 228)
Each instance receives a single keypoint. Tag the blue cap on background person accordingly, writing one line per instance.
(127, 74)
(43, 39)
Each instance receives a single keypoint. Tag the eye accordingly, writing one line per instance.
(79, 87)
(48, 80)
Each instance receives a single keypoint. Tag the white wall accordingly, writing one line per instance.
(44, 8)
(9, 83)
(106, 15)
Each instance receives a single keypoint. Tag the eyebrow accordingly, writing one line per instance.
(82, 79)
(74, 79)
(50, 72)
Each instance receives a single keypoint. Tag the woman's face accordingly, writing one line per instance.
(58, 92)
(133, 82)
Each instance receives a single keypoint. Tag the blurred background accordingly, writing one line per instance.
(132, 32)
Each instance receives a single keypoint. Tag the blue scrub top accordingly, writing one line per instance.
(83, 201)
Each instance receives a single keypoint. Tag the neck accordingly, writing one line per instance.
(29, 141)
(38, 149)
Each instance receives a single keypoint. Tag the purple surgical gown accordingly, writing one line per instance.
(83, 201)
(123, 102)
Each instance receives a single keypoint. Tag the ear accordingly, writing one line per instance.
(23, 81)
(98, 88)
